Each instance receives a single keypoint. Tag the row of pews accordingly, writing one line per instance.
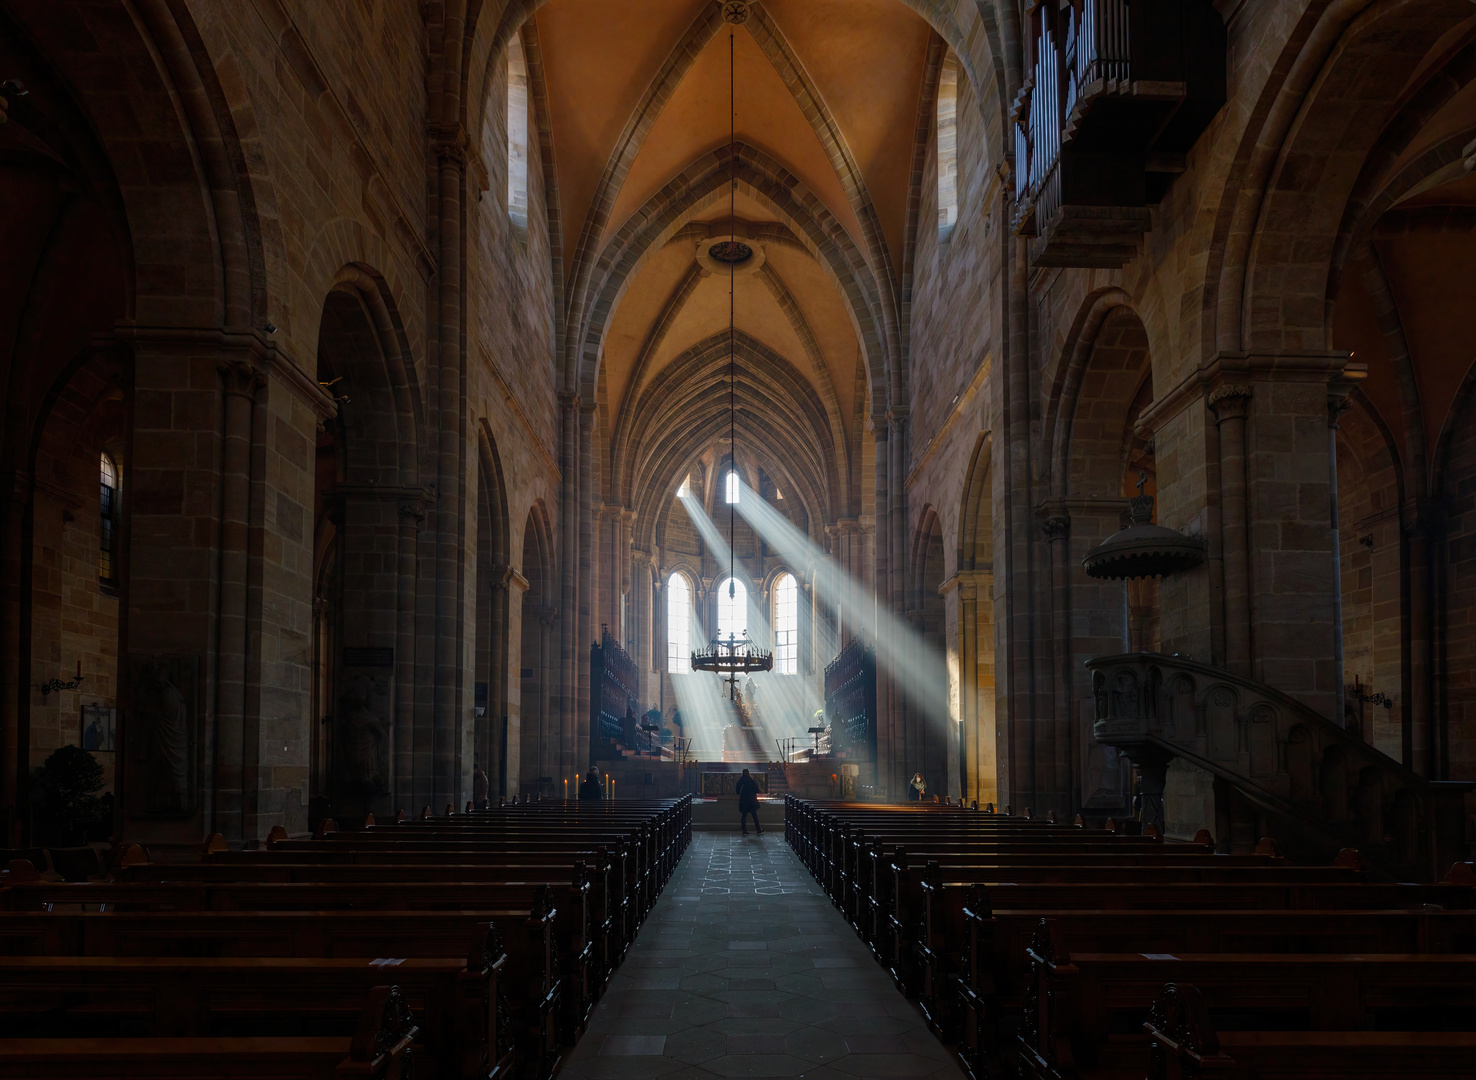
(1059, 952)
(463, 946)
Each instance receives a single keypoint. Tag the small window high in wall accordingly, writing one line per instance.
(786, 625)
(733, 487)
(948, 146)
(678, 625)
(517, 133)
(107, 529)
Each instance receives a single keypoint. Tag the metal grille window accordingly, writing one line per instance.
(786, 626)
(678, 624)
(107, 525)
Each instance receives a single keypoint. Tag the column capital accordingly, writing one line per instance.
(241, 378)
(1055, 518)
(1229, 401)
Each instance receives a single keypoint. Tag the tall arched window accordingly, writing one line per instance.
(107, 567)
(678, 625)
(947, 146)
(517, 133)
(786, 625)
(734, 484)
(732, 612)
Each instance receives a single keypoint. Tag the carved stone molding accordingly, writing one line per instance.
(1229, 401)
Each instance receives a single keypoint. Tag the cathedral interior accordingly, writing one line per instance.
(1066, 413)
(463, 462)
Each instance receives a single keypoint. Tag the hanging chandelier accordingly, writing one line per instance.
(732, 656)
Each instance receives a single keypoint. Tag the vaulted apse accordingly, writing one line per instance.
(916, 668)
(785, 704)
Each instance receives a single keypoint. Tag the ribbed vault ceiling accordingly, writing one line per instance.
(828, 99)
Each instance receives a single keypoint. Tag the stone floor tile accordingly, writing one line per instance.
(744, 969)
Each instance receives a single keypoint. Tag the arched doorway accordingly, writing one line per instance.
(369, 506)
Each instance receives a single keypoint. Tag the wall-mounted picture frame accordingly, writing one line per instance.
(99, 728)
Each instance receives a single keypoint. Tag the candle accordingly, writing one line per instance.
(566, 789)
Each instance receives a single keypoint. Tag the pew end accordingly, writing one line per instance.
(382, 1046)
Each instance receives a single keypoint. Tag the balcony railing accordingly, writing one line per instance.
(1321, 781)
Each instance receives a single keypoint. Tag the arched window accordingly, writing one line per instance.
(948, 146)
(678, 625)
(686, 488)
(107, 569)
(786, 625)
(734, 484)
(732, 612)
(517, 133)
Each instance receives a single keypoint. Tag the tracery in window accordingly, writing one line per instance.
(678, 625)
(786, 625)
(107, 523)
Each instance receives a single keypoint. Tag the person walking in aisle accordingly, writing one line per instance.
(747, 790)
(479, 788)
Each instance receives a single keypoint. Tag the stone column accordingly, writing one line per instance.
(1066, 743)
(505, 732)
(241, 381)
(586, 607)
(568, 679)
(411, 516)
(1419, 730)
(887, 751)
(1229, 403)
(1337, 404)
(12, 573)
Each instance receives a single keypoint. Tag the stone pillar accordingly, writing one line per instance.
(624, 612)
(568, 678)
(411, 516)
(241, 381)
(1419, 730)
(1065, 741)
(219, 586)
(1229, 403)
(1337, 404)
(12, 573)
(586, 608)
(887, 750)
(505, 732)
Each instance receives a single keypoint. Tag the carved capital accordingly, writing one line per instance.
(449, 142)
(241, 378)
(1337, 404)
(412, 511)
(1229, 401)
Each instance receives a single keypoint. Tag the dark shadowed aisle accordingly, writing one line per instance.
(745, 969)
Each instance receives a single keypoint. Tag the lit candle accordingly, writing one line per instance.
(566, 789)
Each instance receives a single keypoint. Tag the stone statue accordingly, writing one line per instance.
(164, 717)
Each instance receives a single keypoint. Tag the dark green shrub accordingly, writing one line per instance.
(65, 797)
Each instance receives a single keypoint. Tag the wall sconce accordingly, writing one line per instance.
(55, 684)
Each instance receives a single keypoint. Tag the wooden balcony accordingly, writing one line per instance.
(1118, 93)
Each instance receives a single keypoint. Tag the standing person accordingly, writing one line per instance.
(479, 788)
(748, 790)
(589, 788)
(918, 788)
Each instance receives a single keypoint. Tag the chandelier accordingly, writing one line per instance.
(732, 656)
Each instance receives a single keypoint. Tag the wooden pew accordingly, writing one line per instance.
(1081, 1008)
(381, 1048)
(1182, 1042)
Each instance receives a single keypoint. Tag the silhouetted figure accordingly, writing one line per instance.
(747, 790)
(590, 789)
(479, 788)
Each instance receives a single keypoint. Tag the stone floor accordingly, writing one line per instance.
(745, 969)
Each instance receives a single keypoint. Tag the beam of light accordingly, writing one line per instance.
(783, 706)
(721, 553)
(914, 666)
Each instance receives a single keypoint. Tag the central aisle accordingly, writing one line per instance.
(745, 969)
